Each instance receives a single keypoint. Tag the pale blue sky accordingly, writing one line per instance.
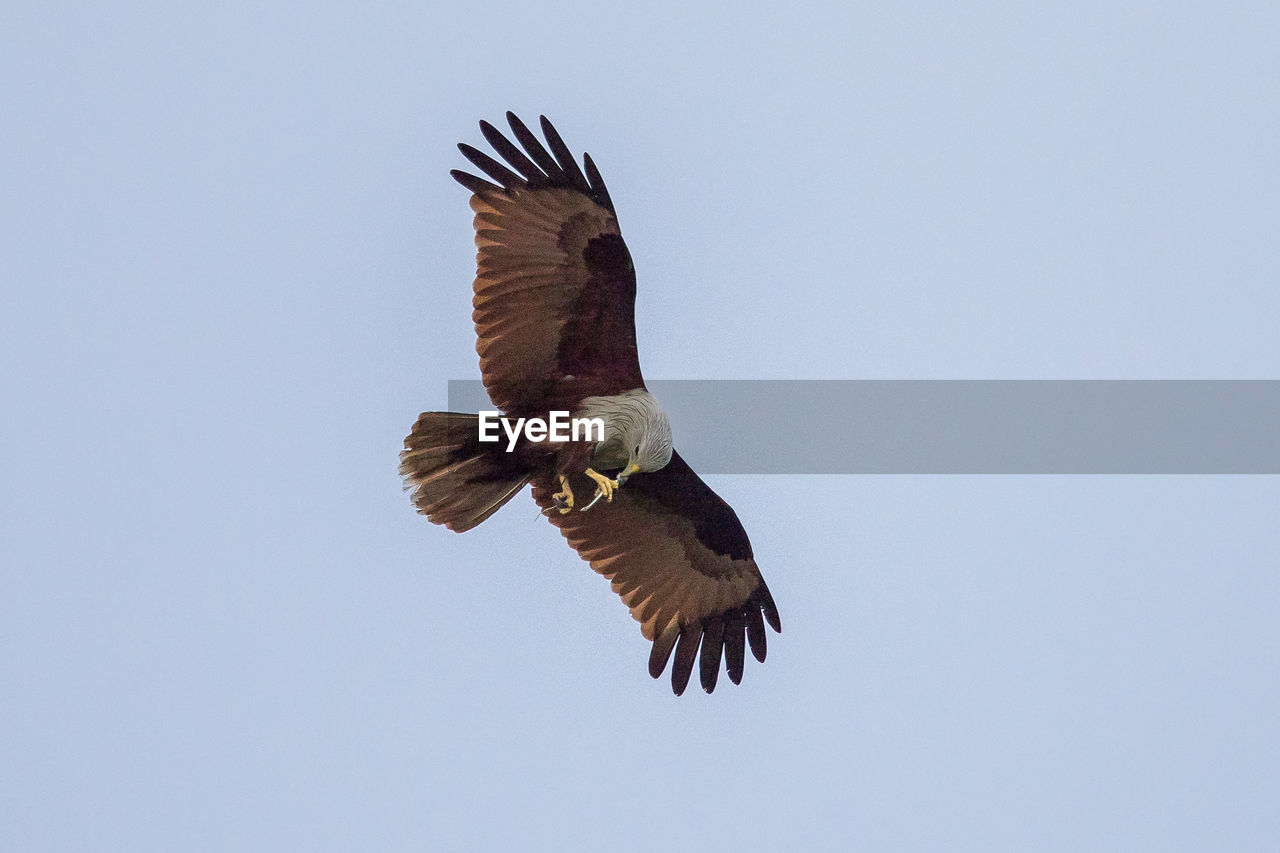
(235, 269)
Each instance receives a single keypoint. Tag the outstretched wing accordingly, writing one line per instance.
(555, 290)
(678, 556)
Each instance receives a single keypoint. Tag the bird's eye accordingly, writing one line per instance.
(637, 450)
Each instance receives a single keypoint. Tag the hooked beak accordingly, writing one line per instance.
(626, 473)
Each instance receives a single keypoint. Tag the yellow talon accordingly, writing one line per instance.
(606, 486)
(563, 498)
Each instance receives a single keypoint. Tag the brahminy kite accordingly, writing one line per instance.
(554, 311)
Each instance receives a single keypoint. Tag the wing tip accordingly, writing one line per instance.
(663, 645)
(712, 650)
(537, 166)
(477, 185)
(708, 641)
(770, 608)
(686, 654)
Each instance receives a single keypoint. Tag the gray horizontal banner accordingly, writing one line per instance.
(965, 426)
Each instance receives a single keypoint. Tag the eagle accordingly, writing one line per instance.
(554, 313)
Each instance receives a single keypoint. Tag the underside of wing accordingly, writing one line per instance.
(554, 304)
(679, 558)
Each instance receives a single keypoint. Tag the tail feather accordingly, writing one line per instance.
(454, 479)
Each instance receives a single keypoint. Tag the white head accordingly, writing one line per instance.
(647, 440)
(648, 445)
(635, 425)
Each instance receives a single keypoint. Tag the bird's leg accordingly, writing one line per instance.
(604, 488)
(563, 498)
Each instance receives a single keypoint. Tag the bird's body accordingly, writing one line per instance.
(554, 310)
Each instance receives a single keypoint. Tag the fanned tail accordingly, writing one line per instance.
(454, 479)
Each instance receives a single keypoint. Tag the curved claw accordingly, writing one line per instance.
(594, 501)
(605, 488)
(563, 499)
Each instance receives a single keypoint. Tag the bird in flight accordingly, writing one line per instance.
(554, 312)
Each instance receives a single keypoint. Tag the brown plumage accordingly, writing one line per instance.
(678, 556)
(555, 288)
(554, 311)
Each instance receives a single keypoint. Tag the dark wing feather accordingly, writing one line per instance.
(508, 179)
(512, 154)
(678, 556)
(555, 288)
(712, 646)
(734, 646)
(597, 182)
(564, 157)
(531, 144)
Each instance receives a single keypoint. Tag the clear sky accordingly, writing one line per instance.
(235, 269)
